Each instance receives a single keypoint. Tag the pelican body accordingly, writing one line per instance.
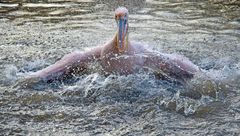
(120, 56)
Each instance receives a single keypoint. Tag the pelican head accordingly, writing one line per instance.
(121, 17)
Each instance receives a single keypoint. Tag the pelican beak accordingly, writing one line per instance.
(122, 37)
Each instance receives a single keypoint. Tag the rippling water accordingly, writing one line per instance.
(36, 33)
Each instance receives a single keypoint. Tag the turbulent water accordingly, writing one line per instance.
(37, 33)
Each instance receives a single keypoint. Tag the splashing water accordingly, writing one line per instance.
(36, 33)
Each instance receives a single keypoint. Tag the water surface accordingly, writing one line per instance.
(37, 33)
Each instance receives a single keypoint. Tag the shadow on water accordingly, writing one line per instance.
(37, 33)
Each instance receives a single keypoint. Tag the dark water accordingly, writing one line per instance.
(36, 33)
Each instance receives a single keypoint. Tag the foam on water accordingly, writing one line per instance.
(194, 97)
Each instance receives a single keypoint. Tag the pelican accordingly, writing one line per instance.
(121, 56)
